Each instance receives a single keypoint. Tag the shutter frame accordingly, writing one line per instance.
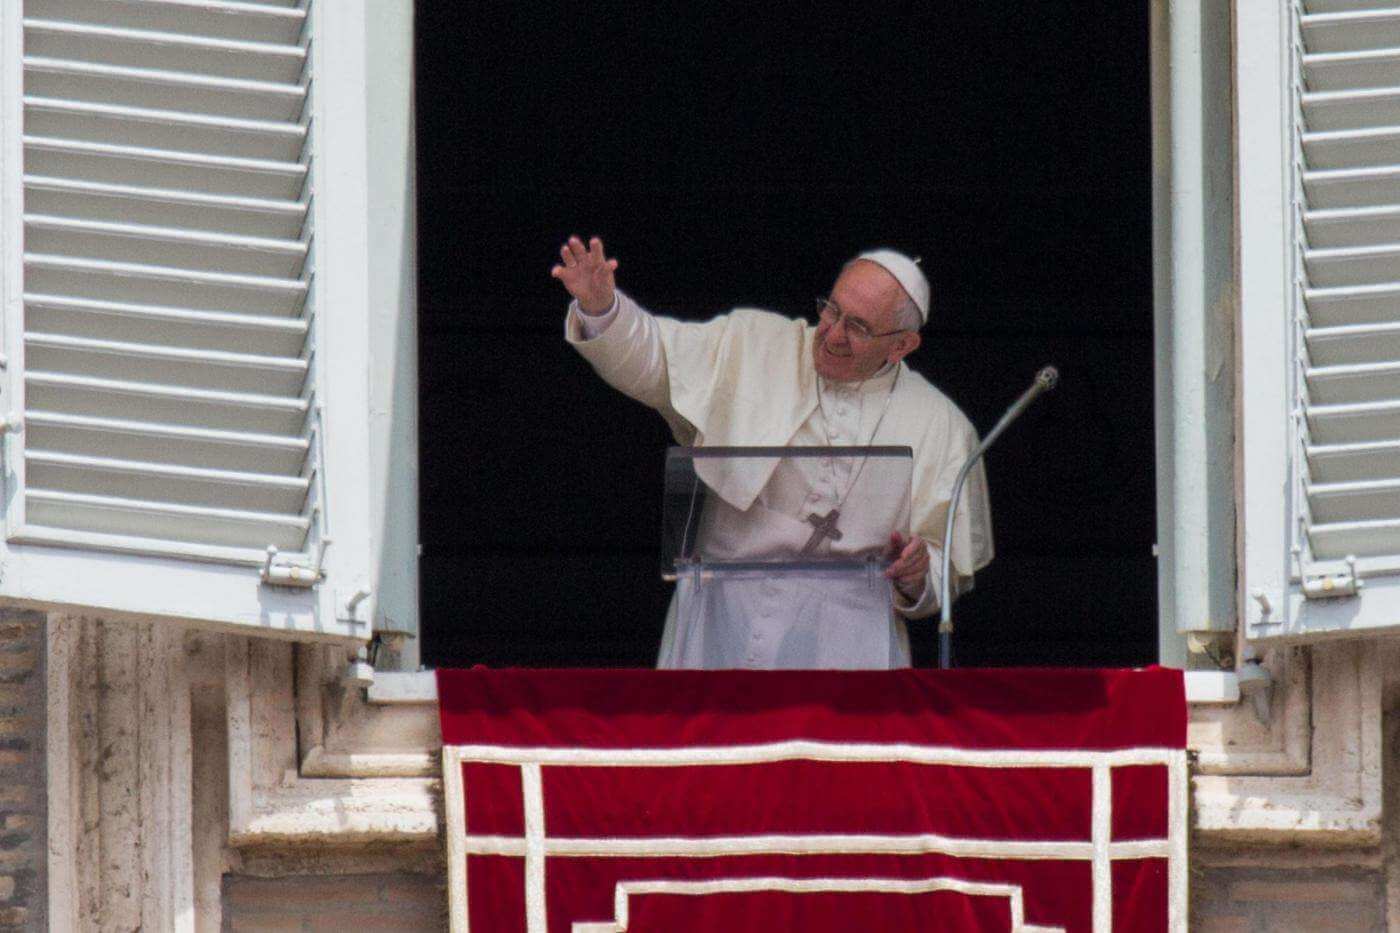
(208, 581)
(1320, 307)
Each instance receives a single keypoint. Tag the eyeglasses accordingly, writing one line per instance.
(830, 312)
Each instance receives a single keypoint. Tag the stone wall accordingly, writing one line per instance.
(23, 894)
(1249, 899)
(393, 901)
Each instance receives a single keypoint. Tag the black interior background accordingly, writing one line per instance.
(740, 159)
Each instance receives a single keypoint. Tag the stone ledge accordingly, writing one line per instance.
(1338, 800)
(375, 801)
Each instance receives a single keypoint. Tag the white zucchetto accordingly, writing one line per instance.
(906, 272)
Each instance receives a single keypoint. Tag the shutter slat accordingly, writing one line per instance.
(210, 448)
(1354, 501)
(1352, 305)
(204, 369)
(1353, 265)
(155, 89)
(1351, 148)
(1361, 538)
(214, 174)
(208, 18)
(215, 489)
(1353, 462)
(163, 317)
(1352, 109)
(193, 276)
(1352, 30)
(1369, 186)
(1354, 423)
(167, 130)
(1357, 226)
(1339, 6)
(171, 158)
(1353, 383)
(1354, 343)
(152, 324)
(164, 51)
(168, 355)
(168, 250)
(165, 520)
(175, 405)
(171, 247)
(177, 485)
(1340, 71)
(66, 197)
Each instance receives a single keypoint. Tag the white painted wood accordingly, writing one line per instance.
(159, 248)
(1212, 687)
(1265, 271)
(392, 323)
(350, 272)
(214, 593)
(182, 408)
(1193, 310)
(403, 688)
(1321, 361)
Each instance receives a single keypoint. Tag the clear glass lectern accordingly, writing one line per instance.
(787, 544)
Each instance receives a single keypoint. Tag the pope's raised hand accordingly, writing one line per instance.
(587, 274)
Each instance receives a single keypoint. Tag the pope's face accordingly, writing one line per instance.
(868, 295)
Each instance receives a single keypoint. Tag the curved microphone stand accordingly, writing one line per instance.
(1044, 381)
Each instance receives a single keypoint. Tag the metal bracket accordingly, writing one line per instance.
(1257, 685)
(284, 573)
(348, 605)
(359, 670)
(1334, 585)
(1266, 608)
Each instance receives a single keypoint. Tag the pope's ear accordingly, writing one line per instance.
(907, 343)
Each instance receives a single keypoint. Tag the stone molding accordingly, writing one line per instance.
(273, 800)
(1248, 787)
(1233, 739)
(120, 779)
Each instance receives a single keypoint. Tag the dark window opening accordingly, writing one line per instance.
(740, 161)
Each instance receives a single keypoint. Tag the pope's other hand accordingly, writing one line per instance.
(909, 567)
(587, 274)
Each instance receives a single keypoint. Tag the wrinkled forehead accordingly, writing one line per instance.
(868, 291)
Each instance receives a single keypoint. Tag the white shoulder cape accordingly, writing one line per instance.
(747, 379)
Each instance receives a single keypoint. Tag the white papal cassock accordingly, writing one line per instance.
(747, 379)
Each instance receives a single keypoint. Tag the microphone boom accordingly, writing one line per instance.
(1045, 380)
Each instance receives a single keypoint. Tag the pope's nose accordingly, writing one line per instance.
(836, 333)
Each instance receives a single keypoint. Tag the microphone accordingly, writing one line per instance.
(1045, 380)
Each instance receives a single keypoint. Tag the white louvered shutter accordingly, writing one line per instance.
(162, 318)
(1340, 562)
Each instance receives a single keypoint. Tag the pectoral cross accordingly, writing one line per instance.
(823, 526)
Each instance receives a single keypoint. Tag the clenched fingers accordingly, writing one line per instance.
(909, 566)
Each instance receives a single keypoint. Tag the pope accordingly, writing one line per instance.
(755, 378)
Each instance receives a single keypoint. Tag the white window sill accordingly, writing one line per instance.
(403, 688)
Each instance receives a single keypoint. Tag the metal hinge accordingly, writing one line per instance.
(1334, 585)
(284, 573)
